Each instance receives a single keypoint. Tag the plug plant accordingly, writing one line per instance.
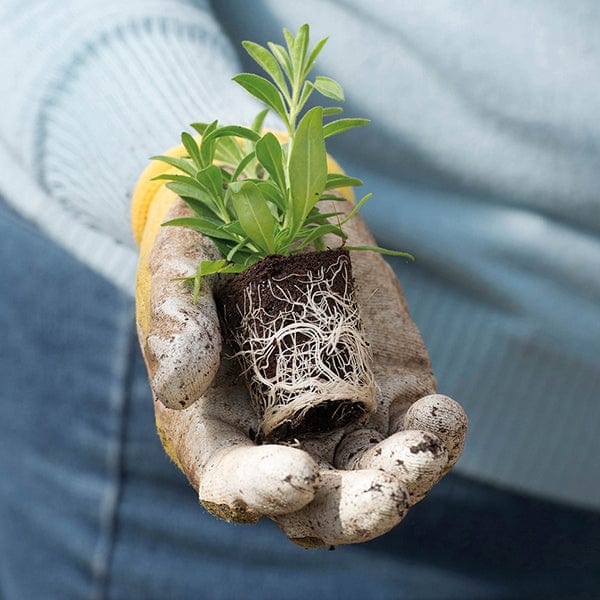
(290, 305)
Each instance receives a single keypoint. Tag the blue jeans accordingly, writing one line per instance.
(90, 506)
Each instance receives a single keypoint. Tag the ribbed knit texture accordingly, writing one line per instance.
(107, 85)
(483, 156)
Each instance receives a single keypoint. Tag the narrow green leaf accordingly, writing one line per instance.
(242, 165)
(179, 178)
(289, 41)
(209, 227)
(310, 62)
(179, 163)
(200, 208)
(333, 197)
(192, 148)
(266, 60)
(356, 208)
(257, 124)
(210, 267)
(270, 156)
(231, 254)
(298, 53)
(254, 215)
(189, 191)
(282, 58)
(273, 194)
(321, 218)
(207, 146)
(381, 251)
(329, 88)
(317, 232)
(264, 90)
(212, 180)
(307, 89)
(332, 110)
(308, 166)
(229, 151)
(232, 131)
(337, 180)
(342, 125)
(200, 127)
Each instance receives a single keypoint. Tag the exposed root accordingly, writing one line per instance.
(311, 351)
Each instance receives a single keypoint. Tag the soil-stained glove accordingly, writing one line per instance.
(344, 487)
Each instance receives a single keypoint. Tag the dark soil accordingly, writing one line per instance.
(289, 274)
(288, 271)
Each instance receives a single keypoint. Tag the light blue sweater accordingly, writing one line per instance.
(483, 156)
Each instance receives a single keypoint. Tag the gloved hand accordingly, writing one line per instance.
(343, 487)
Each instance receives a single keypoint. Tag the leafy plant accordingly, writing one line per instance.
(264, 197)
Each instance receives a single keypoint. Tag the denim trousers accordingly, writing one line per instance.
(91, 507)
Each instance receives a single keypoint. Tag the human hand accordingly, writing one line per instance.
(346, 486)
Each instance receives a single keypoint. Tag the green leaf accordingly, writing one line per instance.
(232, 131)
(273, 194)
(329, 88)
(310, 63)
(333, 197)
(179, 163)
(210, 267)
(207, 146)
(190, 191)
(337, 180)
(257, 124)
(264, 90)
(208, 227)
(307, 89)
(321, 218)
(342, 125)
(192, 148)
(212, 180)
(270, 156)
(282, 58)
(356, 208)
(254, 214)
(265, 59)
(381, 251)
(179, 178)
(231, 254)
(332, 110)
(300, 48)
(200, 127)
(289, 41)
(308, 166)
(313, 233)
(229, 151)
(242, 165)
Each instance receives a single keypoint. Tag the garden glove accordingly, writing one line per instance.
(346, 486)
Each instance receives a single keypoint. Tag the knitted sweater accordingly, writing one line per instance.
(483, 156)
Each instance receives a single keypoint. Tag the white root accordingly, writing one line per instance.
(314, 351)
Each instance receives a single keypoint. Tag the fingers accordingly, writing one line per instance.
(266, 480)
(235, 479)
(443, 417)
(182, 342)
(349, 507)
(416, 458)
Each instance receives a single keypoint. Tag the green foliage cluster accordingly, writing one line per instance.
(264, 197)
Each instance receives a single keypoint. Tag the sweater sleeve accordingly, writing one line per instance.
(90, 91)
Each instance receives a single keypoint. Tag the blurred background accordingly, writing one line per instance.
(483, 156)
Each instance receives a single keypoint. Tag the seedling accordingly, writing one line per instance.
(290, 308)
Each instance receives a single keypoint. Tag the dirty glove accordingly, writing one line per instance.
(343, 487)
